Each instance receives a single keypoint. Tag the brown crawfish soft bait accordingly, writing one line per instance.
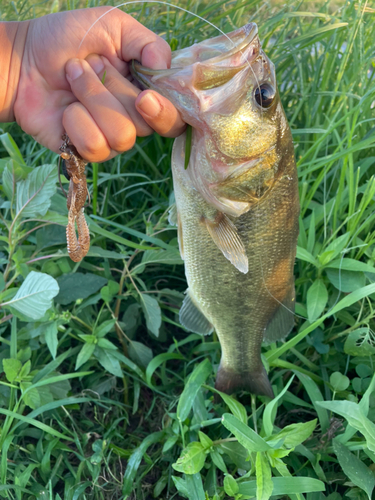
(75, 172)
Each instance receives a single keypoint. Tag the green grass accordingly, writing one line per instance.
(103, 395)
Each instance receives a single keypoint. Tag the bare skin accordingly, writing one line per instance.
(51, 85)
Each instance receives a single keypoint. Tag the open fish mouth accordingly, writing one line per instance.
(216, 60)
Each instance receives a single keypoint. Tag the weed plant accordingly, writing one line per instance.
(103, 395)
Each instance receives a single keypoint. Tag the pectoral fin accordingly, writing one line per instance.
(282, 322)
(192, 318)
(226, 237)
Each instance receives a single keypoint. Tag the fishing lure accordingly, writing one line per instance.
(75, 172)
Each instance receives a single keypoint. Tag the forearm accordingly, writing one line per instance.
(12, 43)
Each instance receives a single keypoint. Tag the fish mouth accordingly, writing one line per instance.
(226, 54)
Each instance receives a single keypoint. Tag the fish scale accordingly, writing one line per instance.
(237, 201)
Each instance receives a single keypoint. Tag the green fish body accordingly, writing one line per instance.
(237, 200)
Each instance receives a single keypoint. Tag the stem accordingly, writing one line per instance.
(254, 411)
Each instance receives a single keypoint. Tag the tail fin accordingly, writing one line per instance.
(256, 382)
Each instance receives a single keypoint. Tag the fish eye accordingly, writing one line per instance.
(264, 95)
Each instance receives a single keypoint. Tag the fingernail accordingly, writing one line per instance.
(96, 62)
(149, 105)
(74, 69)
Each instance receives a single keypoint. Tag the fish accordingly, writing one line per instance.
(237, 203)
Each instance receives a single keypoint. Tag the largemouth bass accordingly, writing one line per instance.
(237, 200)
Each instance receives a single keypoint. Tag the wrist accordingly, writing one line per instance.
(12, 43)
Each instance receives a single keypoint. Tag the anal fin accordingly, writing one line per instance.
(226, 237)
(192, 318)
(282, 322)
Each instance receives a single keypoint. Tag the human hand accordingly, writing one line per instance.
(56, 92)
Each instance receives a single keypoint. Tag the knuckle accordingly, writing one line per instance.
(125, 138)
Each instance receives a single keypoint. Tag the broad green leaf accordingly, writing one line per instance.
(360, 342)
(85, 354)
(12, 174)
(245, 435)
(317, 297)
(12, 148)
(135, 460)
(353, 414)
(346, 281)
(263, 477)
(108, 361)
(206, 442)
(192, 459)
(354, 468)
(157, 361)
(106, 344)
(140, 353)
(285, 486)
(235, 406)
(295, 434)
(181, 486)
(237, 454)
(50, 334)
(35, 192)
(315, 396)
(351, 265)
(12, 367)
(303, 254)
(152, 313)
(35, 296)
(35, 423)
(217, 459)
(196, 379)
(195, 487)
(230, 485)
(339, 381)
(74, 286)
(105, 327)
(171, 256)
(271, 410)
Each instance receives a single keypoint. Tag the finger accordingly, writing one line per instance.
(108, 113)
(160, 114)
(128, 39)
(85, 134)
(120, 87)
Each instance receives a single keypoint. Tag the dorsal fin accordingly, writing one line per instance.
(282, 321)
(226, 237)
(192, 318)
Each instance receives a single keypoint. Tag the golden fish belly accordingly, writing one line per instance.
(241, 306)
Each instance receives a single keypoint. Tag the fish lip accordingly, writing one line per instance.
(138, 70)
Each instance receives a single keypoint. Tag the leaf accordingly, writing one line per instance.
(12, 174)
(12, 148)
(245, 435)
(317, 297)
(351, 265)
(157, 361)
(352, 412)
(271, 410)
(181, 486)
(108, 361)
(50, 334)
(35, 423)
(85, 354)
(237, 454)
(104, 328)
(303, 254)
(192, 459)
(135, 460)
(263, 477)
(360, 342)
(35, 296)
(230, 485)
(171, 257)
(346, 281)
(195, 487)
(315, 396)
(237, 409)
(285, 486)
(140, 353)
(295, 434)
(12, 368)
(196, 379)
(217, 459)
(152, 313)
(354, 468)
(205, 440)
(35, 192)
(74, 286)
(339, 381)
